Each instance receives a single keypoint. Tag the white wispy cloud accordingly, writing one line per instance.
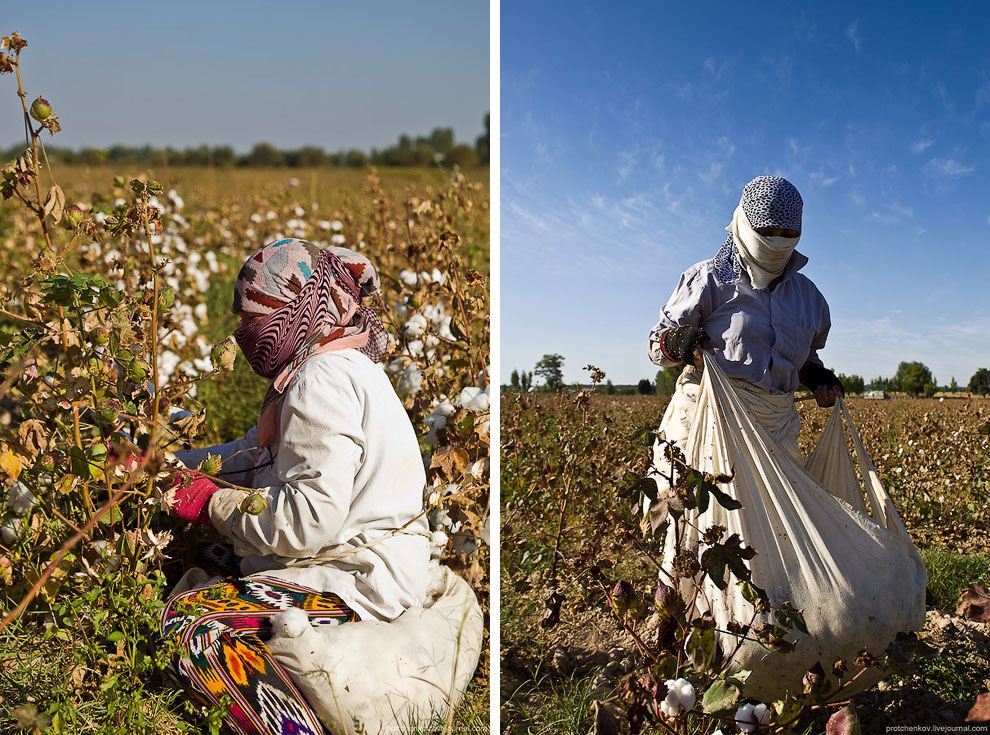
(948, 167)
(821, 178)
(853, 34)
(922, 145)
(891, 214)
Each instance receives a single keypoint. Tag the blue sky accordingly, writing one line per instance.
(628, 131)
(323, 72)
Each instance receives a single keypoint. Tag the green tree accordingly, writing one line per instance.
(852, 383)
(609, 388)
(644, 387)
(666, 380)
(953, 385)
(462, 156)
(914, 378)
(355, 158)
(264, 154)
(481, 145)
(980, 382)
(514, 380)
(525, 380)
(551, 369)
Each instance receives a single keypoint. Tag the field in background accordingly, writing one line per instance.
(564, 461)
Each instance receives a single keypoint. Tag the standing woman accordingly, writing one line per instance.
(749, 306)
(336, 461)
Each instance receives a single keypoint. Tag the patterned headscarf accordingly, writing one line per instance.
(309, 301)
(768, 201)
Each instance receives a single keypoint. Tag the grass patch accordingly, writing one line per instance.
(949, 574)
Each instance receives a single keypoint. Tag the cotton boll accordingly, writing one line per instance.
(299, 212)
(433, 312)
(403, 309)
(750, 717)
(337, 225)
(290, 623)
(20, 499)
(685, 691)
(437, 277)
(474, 399)
(438, 542)
(10, 530)
(444, 330)
(414, 327)
(410, 381)
(408, 277)
(338, 239)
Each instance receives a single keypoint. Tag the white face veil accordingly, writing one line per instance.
(767, 201)
(763, 257)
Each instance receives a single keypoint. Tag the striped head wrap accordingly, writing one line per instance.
(309, 301)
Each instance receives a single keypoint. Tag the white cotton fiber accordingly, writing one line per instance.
(290, 623)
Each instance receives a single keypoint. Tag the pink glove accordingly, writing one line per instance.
(193, 503)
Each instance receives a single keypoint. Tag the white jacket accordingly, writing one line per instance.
(344, 470)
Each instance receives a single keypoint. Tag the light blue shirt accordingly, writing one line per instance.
(764, 337)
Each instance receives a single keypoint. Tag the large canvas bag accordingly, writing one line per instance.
(374, 677)
(856, 575)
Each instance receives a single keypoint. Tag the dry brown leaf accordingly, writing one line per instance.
(974, 603)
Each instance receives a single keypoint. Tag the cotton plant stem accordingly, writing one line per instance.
(66, 548)
(34, 147)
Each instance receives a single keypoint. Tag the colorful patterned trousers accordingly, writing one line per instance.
(220, 656)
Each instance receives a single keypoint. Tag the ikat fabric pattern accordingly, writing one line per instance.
(219, 635)
(771, 201)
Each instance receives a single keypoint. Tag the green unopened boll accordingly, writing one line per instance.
(41, 109)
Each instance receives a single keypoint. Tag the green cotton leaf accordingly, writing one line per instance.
(790, 617)
(722, 696)
(115, 636)
(725, 500)
(754, 595)
(700, 646)
(730, 555)
(703, 498)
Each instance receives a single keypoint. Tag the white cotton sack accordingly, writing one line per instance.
(383, 678)
(858, 577)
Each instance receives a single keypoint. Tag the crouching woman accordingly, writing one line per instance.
(337, 531)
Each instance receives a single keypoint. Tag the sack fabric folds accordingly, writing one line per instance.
(833, 550)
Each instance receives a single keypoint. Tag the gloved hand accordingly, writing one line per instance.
(822, 382)
(192, 503)
(679, 343)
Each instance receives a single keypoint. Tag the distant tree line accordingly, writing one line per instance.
(913, 378)
(437, 149)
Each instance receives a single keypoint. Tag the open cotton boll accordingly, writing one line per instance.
(750, 717)
(680, 697)
(290, 623)
(10, 530)
(474, 399)
(20, 499)
(415, 326)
